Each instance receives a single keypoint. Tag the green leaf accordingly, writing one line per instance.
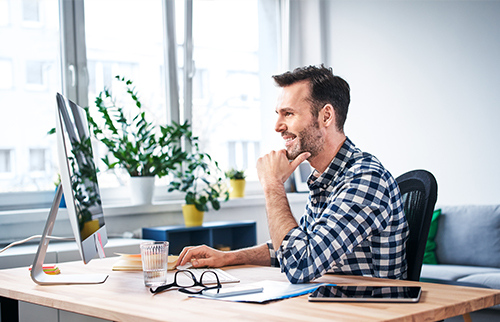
(215, 204)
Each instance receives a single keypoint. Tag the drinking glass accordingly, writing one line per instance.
(154, 257)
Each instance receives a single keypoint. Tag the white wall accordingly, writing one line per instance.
(425, 88)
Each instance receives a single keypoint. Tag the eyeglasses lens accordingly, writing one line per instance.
(209, 277)
(186, 279)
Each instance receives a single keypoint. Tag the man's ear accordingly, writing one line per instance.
(327, 116)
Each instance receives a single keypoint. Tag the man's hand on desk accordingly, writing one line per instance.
(203, 256)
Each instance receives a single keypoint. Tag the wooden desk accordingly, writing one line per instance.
(123, 297)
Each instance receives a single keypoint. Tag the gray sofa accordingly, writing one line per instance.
(467, 246)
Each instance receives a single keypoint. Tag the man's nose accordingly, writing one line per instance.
(280, 126)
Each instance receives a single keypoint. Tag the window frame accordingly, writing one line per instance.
(75, 79)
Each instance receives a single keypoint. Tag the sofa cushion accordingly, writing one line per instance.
(430, 247)
(455, 272)
(469, 235)
(488, 279)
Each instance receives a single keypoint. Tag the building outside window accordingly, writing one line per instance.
(34, 73)
(31, 10)
(133, 50)
(4, 13)
(30, 77)
(126, 38)
(37, 160)
(226, 48)
(5, 161)
(6, 80)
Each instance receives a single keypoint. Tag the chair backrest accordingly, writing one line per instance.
(419, 191)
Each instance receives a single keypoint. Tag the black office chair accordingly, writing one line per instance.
(419, 191)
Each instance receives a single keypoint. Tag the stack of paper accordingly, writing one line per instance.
(133, 262)
(272, 290)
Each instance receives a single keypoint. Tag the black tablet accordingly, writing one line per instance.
(331, 293)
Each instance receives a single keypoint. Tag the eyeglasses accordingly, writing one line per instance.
(184, 284)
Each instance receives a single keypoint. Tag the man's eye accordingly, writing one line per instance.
(288, 113)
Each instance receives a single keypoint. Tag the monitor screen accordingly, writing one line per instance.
(79, 178)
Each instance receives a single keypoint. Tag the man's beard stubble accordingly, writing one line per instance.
(310, 140)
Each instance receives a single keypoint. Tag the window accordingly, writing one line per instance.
(4, 13)
(127, 38)
(241, 154)
(5, 161)
(133, 50)
(32, 63)
(226, 50)
(31, 10)
(102, 73)
(37, 159)
(34, 73)
(6, 72)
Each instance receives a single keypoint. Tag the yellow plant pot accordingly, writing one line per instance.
(192, 216)
(238, 188)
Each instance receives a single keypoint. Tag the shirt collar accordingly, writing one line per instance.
(334, 168)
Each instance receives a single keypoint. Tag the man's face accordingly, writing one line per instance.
(297, 126)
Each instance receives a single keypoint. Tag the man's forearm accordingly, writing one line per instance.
(257, 255)
(274, 169)
(279, 214)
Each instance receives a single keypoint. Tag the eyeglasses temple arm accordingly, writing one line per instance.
(159, 288)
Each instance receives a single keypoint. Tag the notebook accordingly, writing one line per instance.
(133, 262)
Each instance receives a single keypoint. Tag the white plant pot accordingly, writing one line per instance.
(141, 190)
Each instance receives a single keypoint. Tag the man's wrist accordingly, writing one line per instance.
(233, 258)
(272, 187)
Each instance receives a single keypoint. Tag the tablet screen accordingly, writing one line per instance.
(330, 293)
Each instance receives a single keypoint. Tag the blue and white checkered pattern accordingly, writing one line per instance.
(353, 223)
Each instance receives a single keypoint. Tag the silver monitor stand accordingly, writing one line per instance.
(37, 273)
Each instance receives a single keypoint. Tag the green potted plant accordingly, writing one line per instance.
(202, 181)
(237, 182)
(143, 149)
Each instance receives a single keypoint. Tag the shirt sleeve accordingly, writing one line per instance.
(357, 210)
(272, 253)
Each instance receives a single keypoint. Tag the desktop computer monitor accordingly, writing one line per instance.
(81, 193)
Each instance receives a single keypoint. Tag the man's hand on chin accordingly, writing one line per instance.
(275, 167)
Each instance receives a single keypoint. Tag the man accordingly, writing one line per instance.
(353, 222)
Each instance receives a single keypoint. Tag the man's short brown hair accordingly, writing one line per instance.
(326, 88)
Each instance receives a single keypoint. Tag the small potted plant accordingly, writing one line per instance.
(201, 179)
(143, 149)
(237, 182)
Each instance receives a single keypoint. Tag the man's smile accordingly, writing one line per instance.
(289, 139)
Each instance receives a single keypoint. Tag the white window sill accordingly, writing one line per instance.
(29, 219)
(124, 208)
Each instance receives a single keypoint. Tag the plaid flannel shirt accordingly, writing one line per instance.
(353, 223)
